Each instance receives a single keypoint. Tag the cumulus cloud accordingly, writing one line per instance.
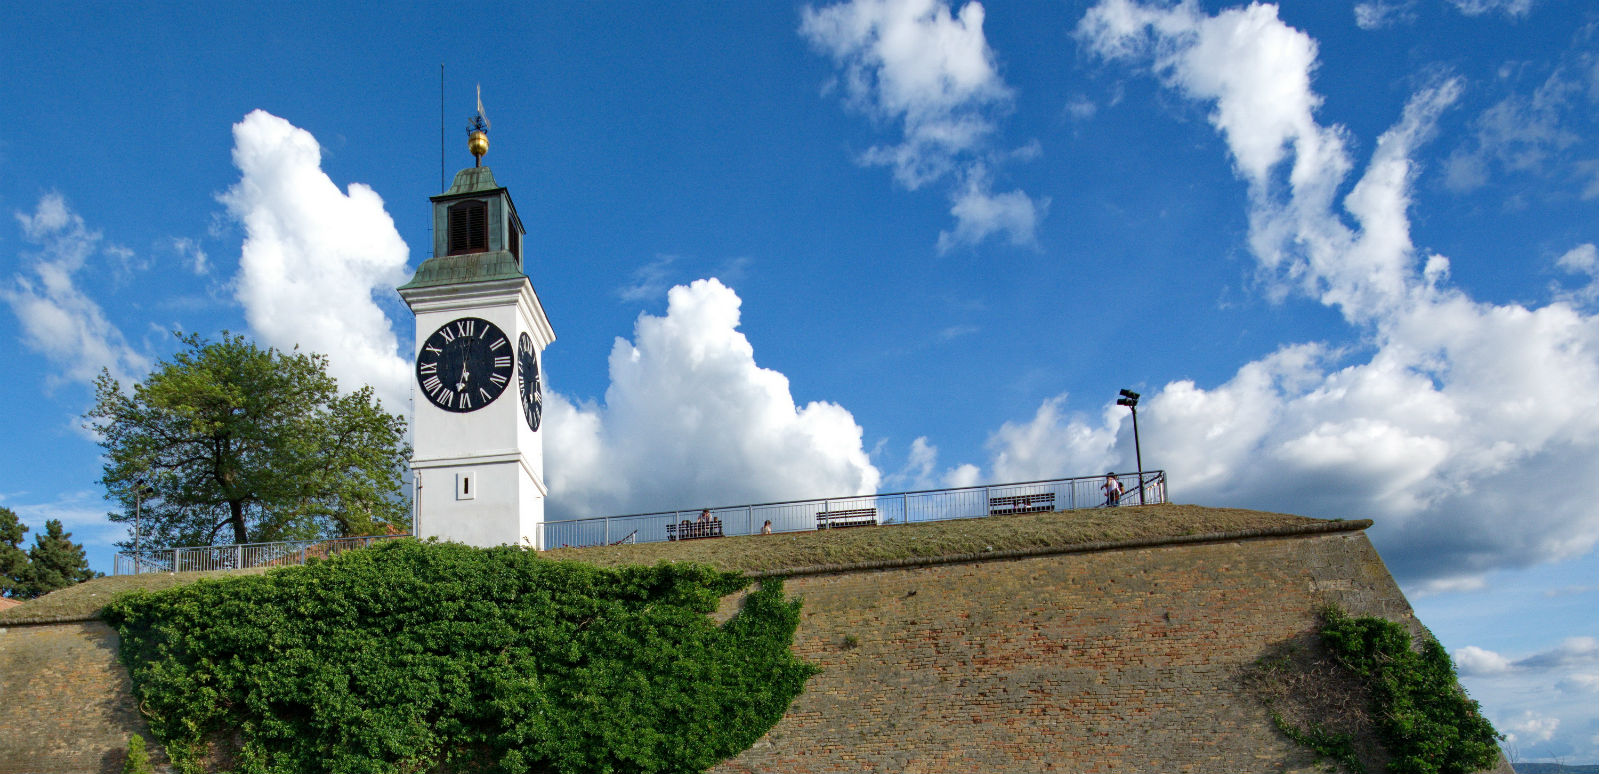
(315, 258)
(913, 63)
(57, 319)
(1444, 417)
(690, 420)
(1473, 660)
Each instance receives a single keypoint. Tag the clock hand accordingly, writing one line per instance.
(464, 375)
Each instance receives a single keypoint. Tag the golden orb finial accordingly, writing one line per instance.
(477, 144)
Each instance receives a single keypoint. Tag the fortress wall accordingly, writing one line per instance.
(1123, 660)
(1114, 661)
(66, 705)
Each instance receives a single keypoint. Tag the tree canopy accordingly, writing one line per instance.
(227, 442)
(13, 560)
(54, 561)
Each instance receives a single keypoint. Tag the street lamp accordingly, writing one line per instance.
(1131, 400)
(141, 490)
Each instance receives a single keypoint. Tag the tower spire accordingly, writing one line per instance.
(478, 132)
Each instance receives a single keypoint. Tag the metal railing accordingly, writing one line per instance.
(1062, 494)
(239, 556)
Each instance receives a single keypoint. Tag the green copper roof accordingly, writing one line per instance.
(473, 267)
(471, 180)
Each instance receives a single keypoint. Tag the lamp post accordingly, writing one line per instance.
(141, 490)
(1130, 399)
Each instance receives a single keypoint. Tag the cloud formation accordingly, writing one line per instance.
(57, 319)
(315, 259)
(690, 421)
(1445, 414)
(913, 63)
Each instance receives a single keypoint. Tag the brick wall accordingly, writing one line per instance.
(65, 705)
(1114, 661)
(1122, 660)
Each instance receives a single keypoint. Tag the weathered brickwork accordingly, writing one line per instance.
(1124, 660)
(65, 705)
(1116, 661)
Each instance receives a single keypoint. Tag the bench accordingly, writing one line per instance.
(855, 517)
(1030, 503)
(694, 530)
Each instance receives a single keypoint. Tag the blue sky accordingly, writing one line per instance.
(1345, 250)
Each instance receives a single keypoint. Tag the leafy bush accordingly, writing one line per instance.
(414, 656)
(1427, 723)
(138, 760)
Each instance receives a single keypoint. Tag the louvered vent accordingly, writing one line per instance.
(469, 227)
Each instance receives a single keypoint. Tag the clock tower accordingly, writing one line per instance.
(477, 391)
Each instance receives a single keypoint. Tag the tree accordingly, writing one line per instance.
(55, 562)
(13, 560)
(228, 440)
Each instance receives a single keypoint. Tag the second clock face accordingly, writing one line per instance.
(465, 364)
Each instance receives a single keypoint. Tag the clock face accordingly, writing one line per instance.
(528, 379)
(464, 365)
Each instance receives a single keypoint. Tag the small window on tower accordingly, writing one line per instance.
(469, 227)
(516, 243)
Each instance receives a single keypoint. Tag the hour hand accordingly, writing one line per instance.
(463, 383)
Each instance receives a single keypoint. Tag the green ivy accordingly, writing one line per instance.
(412, 657)
(1328, 745)
(1426, 722)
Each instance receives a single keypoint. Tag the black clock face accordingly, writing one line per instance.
(464, 365)
(528, 379)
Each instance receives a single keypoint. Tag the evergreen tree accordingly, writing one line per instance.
(55, 562)
(13, 560)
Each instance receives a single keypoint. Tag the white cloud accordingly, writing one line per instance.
(912, 63)
(649, 281)
(81, 513)
(58, 320)
(1530, 727)
(980, 213)
(1452, 422)
(316, 258)
(690, 420)
(1473, 660)
(1480, 7)
(1572, 652)
(1520, 133)
(192, 254)
(1379, 14)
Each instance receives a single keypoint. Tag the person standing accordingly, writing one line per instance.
(1113, 489)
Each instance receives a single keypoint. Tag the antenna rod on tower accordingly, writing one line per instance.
(441, 126)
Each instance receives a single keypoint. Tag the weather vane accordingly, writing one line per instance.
(478, 132)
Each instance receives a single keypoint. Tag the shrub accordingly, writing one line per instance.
(1425, 720)
(413, 656)
(138, 761)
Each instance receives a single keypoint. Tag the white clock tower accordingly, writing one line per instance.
(478, 458)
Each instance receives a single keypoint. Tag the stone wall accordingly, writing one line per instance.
(1111, 661)
(1093, 659)
(65, 705)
